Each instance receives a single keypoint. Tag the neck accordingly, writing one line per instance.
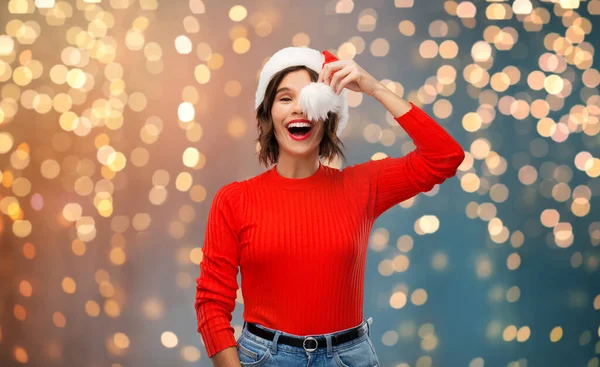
(297, 167)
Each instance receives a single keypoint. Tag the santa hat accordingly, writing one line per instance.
(316, 99)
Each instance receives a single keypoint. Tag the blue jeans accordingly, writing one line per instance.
(255, 351)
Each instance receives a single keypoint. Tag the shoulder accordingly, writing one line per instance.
(366, 168)
(227, 203)
(367, 173)
(228, 195)
(235, 190)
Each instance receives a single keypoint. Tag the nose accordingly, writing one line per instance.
(297, 108)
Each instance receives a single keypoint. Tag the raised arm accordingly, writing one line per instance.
(217, 285)
(393, 180)
(436, 156)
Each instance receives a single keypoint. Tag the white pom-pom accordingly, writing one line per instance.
(317, 99)
(343, 113)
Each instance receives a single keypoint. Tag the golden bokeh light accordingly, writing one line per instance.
(183, 45)
(238, 13)
(398, 300)
(169, 339)
(556, 334)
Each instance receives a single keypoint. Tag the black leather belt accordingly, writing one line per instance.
(310, 343)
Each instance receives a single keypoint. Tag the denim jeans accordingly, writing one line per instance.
(255, 351)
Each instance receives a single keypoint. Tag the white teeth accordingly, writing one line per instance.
(299, 124)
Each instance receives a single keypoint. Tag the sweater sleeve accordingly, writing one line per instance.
(393, 180)
(217, 285)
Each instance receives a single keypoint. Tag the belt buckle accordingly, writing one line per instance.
(304, 344)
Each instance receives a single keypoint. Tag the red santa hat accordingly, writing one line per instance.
(316, 99)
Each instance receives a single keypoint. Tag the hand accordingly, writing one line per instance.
(348, 74)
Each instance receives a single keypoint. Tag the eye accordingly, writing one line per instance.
(285, 99)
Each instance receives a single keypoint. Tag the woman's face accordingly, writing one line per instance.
(286, 109)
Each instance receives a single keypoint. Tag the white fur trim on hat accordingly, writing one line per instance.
(286, 57)
(316, 98)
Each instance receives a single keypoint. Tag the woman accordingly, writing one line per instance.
(299, 231)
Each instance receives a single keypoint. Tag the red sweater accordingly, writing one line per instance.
(301, 244)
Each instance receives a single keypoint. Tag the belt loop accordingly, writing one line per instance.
(329, 345)
(369, 321)
(274, 344)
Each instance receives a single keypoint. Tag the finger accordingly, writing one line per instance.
(332, 68)
(339, 75)
(349, 78)
(327, 72)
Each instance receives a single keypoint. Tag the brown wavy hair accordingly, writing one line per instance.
(329, 148)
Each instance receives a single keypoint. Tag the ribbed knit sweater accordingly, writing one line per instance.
(301, 244)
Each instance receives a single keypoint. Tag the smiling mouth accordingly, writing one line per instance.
(299, 131)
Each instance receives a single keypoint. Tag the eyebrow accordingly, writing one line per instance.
(284, 89)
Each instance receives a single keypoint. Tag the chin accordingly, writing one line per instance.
(298, 152)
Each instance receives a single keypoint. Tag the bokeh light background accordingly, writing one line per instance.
(120, 119)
